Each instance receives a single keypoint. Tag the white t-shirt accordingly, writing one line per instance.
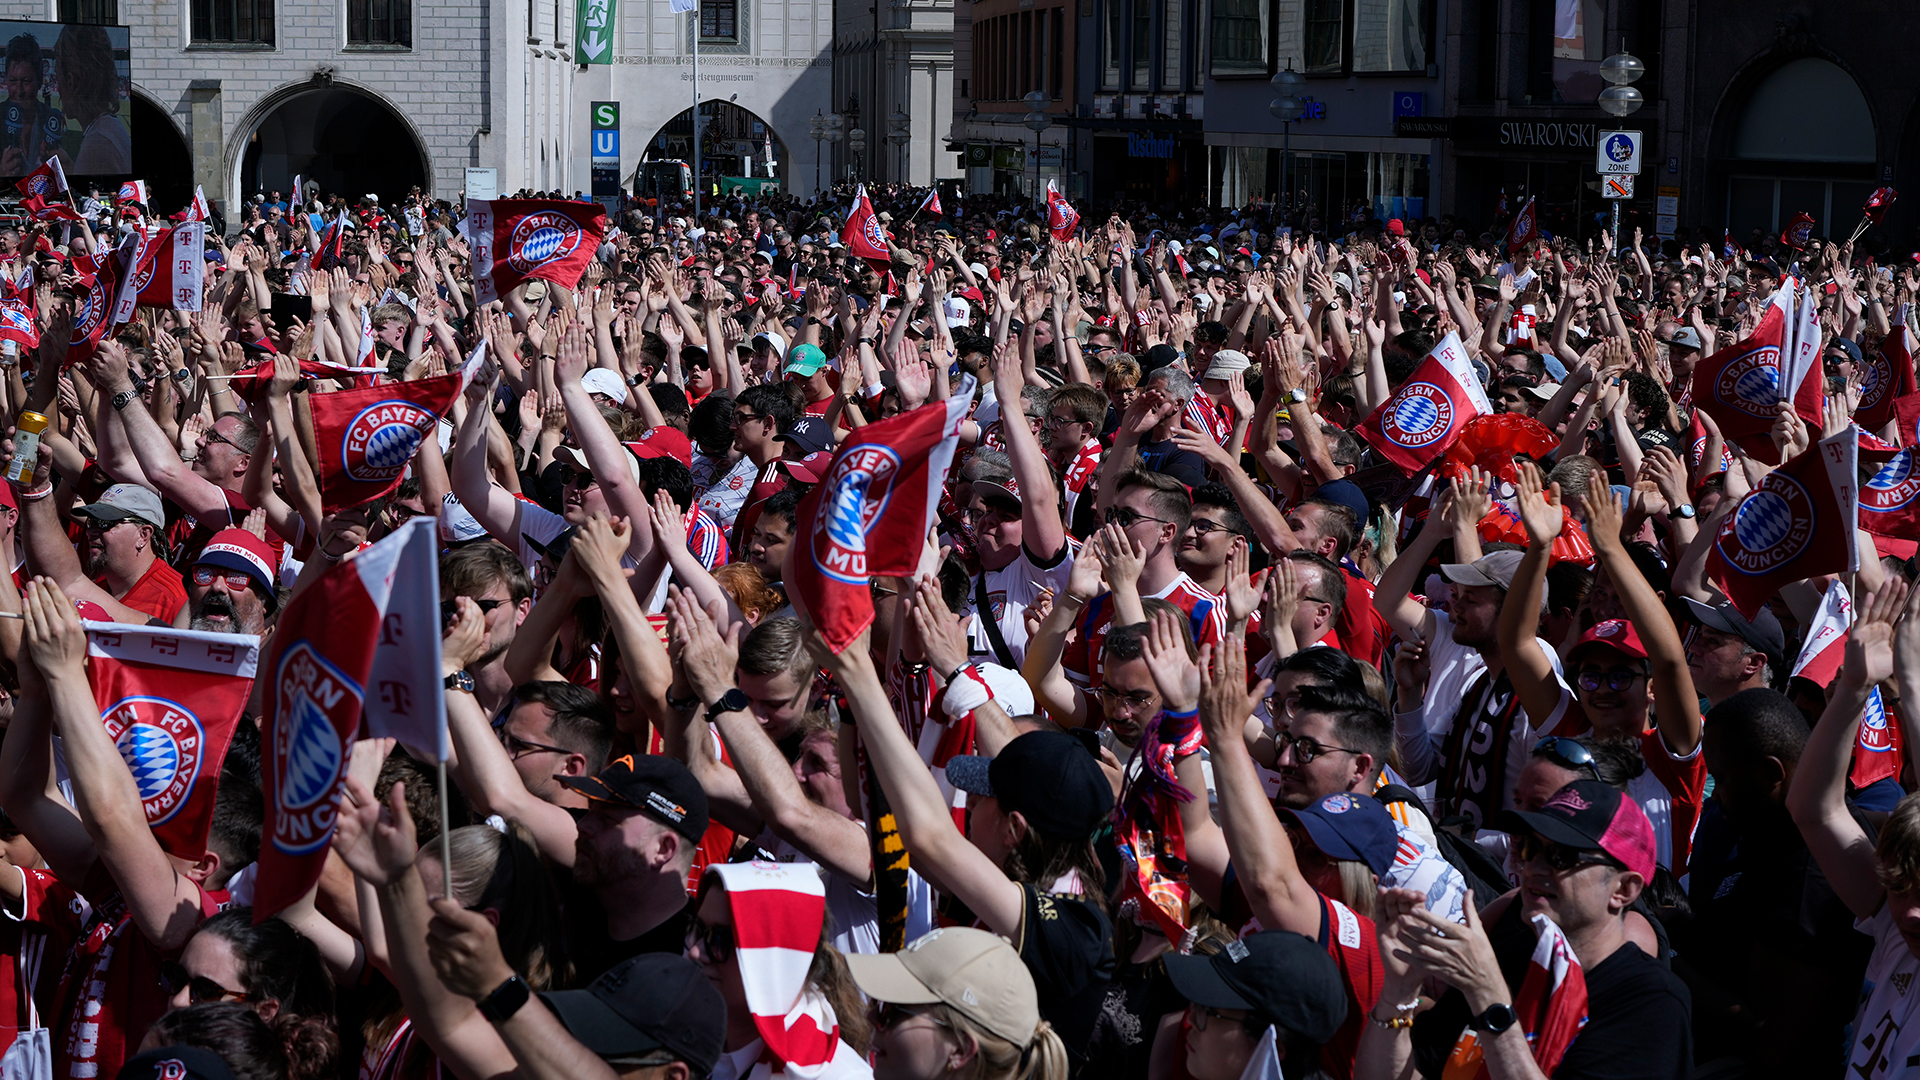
(1009, 590)
(1886, 1034)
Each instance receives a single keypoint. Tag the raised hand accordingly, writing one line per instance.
(1603, 512)
(1540, 509)
(1870, 641)
(1164, 648)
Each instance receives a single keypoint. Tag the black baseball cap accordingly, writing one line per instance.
(176, 1063)
(1048, 776)
(661, 786)
(655, 1001)
(1763, 631)
(810, 433)
(1276, 974)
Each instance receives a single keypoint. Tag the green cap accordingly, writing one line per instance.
(805, 360)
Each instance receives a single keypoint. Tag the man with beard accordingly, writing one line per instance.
(123, 572)
(230, 588)
(644, 820)
(490, 576)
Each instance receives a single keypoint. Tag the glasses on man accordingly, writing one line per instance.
(1206, 527)
(200, 989)
(214, 436)
(204, 576)
(449, 610)
(742, 417)
(1138, 699)
(518, 747)
(1126, 517)
(1306, 749)
(1615, 679)
(1568, 754)
(1527, 847)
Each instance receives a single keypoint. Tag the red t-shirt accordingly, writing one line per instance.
(1361, 631)
(772, 480)
(32, 944)
(187, 535)
(1206, 614)
(1350, 938)
(160, 592)
(110, 992)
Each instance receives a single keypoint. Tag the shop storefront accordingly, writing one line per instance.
(1491, 159)
(1150, 165)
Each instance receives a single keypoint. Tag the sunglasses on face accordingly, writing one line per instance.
(1615, 679)
(449, 610)
(580, 478)
(716, 942)
(518, 747)
(1125, 517)
(1528, 847)
(205, 575)
(200, 989)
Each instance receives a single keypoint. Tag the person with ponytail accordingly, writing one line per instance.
(295, 1048)
(267, 966)
(957, 1004)
(749, 921)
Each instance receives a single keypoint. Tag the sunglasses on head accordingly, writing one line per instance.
(1568, 754)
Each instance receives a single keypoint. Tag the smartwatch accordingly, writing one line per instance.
(461, 681)
(507, 999)
(734, 700)
(1495, 1020)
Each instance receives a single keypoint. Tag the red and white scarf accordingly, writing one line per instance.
(1551, 1006)
(778, 910)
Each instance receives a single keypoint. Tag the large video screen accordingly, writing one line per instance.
(67, 89)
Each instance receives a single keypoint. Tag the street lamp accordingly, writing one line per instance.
(834, 123)
(899, 132)
(1620, 100)
(857, 144)
(817, 127)
(1037, 121)
(1287, 108)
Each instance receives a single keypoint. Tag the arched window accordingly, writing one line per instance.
(1804, 142)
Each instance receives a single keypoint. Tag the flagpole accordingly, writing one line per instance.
(696, 114)
(446, 844)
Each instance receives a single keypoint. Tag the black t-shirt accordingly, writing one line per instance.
(1638, 1015)
(593, 951)
(1166, 457)
(1067, 945)
(1136, 1000)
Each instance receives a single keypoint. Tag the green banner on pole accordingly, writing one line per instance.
(593, 38)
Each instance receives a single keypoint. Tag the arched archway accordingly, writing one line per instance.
(346, 141)
(733, 144)
(161, 157)
(1802, 140)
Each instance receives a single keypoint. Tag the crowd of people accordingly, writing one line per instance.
(1208, 743)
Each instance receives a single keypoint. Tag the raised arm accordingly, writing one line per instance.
(159, 458)
(1527, 665)
(1043, 534)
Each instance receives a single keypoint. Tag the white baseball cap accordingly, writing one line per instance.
(958, 311)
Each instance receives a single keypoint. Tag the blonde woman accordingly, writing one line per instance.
(957, 1004)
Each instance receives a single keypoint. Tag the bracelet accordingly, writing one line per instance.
(37, 494)
(1187, 715)
(1396, 1023)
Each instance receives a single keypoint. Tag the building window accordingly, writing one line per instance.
(719, 19)
(380, 22)
(1392, 36)
(1057, 42)
(90, 12)
(1239, 37)
(1112, 41)
(1568, 41)
(1141, 45)
(1173, 26)
(1324, 37)
(233, 22)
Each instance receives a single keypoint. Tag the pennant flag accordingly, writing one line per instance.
(1423, 418)
(1730, 248)
(363, 354)
(1180, 265)
(1877, 203)
(1525, 229)
(42, 210)
(863, 234)
(1062, 218)
(1798, 523)
(931, 204)
(324, 667)
(793, 279)
(1878, 750)
(1826, 644)
(21, 287)
(44, 182)
(869, 515)
(298, 195)
(198, 210)
(1797, 231)
(1888, 376)
(93, 310)
(333, 244)
(133, 191)
(1802, 372)
(170, 700)
(470, 370)
(18, 326)
(1551, 1008)
(366, 436)
(1500, 209)
(172, 269)
(1739, 386)
(517, 240)
(1890, 500)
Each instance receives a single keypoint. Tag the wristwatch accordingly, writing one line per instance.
(124, 398)
(636, 380)
(507, 999)
(1686, 511)
(1495, 1020)
(461, 681)
(734, 700)
(1296, 395)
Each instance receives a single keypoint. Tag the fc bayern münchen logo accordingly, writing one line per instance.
(313, 702)
(1874, 377)
(1874, 734)
(1771, 527)
(857, 489)
(541, 238)
(161, 742)
(1423, 417)
(381, 439)
(876, 235)
(1751, 383)
(1893, 487)
(39, 184)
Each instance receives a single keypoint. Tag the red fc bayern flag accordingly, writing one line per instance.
(1887, 378)
(367, 436)
(133, 191)
(172, 268)
(1525, 230)
(1799, 523)
(863, 234)
(1423, 418)
(39, 209)
(48, 180)
(93, 309)
(1062, 218)
(869, 516)
(17, 325)
(931, 204)
(1878, 202)
(1890, 499)
(516, 240)
(170, 700)
(198, 210)
(1739, 386)
(1798, 230)
(364, 638)
(1697, 444)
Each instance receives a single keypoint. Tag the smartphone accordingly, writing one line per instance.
(287, 307)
